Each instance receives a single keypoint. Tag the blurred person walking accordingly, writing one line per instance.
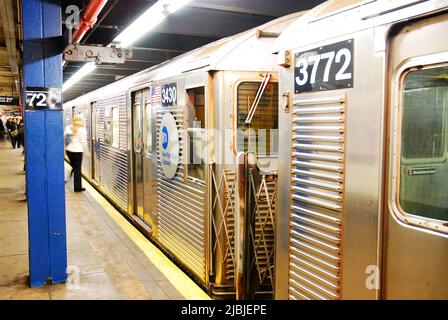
(75, 140)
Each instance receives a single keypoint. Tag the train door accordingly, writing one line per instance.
(138, 154)
(94, 145)
(415, 247)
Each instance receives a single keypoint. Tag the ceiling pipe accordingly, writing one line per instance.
(88, 19)
(98, 23)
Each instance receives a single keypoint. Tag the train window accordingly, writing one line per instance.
(148, 115)
(112, 127)
(423, 180)
(115, 127)
(196, 133)
(107, 126)
(93, 108)
(138, 134)
(261, 134)
(67, 119)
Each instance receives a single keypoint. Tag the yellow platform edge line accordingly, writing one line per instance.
(183, 284)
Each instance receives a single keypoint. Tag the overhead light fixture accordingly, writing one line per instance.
(148, 20)
(143, 24)
(81, 73)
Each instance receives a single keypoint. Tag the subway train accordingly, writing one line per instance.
(163, 148)
(304, 159)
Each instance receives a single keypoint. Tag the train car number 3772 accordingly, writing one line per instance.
(325, 68)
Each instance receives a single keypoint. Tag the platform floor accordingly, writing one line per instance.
(111, 259)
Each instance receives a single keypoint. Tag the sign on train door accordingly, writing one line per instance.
(415, 245)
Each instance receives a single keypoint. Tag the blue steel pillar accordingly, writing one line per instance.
(42, 35)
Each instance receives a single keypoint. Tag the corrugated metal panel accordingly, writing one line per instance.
(181, 211)
(114, 161)
(317, 204)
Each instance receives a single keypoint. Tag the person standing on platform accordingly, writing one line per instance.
(75, 138)
(2, 129)
(21, 134)
(21, 138)
(12, 131)
(6, 122)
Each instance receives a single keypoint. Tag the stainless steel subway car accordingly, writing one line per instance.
(363, 175)
(163, 145)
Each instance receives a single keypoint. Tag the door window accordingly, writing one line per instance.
(115, 127)
(148, 145)
(138, 135)
(196, 136)
(423, 183)
(93, 107)
(261, 134)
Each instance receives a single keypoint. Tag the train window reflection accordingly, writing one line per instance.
(424, 169)
(93, 109)
(196, 136)
(261, 134)
(115, 127)
(108, 126)
(148, 145)
(137, 129)
(68, 121)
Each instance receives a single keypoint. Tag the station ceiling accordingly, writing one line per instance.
(197, 24)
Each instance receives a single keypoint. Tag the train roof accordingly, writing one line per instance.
(337, 18)
(223, 54)
(246, 51)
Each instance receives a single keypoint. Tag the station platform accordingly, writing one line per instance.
(107, 257)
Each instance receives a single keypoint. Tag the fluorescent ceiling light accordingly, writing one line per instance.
(148, 20)
(143, 24)
(81, 73)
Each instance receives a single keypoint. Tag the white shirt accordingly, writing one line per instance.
(78, 142)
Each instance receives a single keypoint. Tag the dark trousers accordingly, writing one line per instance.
(13, 140)
(76, 162)
(19, 140)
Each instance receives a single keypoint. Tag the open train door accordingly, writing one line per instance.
(415, 246)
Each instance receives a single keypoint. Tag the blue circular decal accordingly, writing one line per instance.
(165, 138)
(169, 145)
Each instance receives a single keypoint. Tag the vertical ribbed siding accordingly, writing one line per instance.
(317, 206)
(181, 210)
(114, 161)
